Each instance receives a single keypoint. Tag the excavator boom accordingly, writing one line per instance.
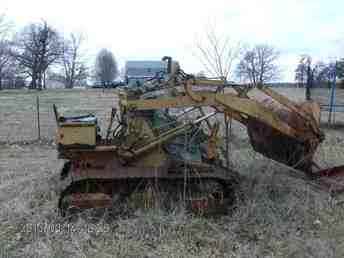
(281, 121)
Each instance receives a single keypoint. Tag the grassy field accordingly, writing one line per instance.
(277, 216)
(18, 116)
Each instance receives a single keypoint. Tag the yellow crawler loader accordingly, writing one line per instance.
(152, 145)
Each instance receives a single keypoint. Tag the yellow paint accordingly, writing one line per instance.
(77, 134)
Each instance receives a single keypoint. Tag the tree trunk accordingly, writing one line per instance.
(0, 82)
(33, 84)
(44, 80)
(309, 83)
(68, 83)
(71, 83)
(39, 81)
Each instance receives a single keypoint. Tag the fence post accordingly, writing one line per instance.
(38, 118)
(309, 83)
(333, 96)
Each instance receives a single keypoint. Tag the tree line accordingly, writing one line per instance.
(228, 59)
(318, 74)
(38, 52)
(255, 65)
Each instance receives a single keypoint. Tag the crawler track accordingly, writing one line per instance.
(201, 195)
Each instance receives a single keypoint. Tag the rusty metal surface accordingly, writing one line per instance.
(90, 164)
(331, 179)
(90, 200)
(103, 193)
(279, 147)
(292, 151)
(207, 204)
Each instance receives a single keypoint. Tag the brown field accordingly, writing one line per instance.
(277, 216)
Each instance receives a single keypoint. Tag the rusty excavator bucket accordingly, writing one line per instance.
(296, 152)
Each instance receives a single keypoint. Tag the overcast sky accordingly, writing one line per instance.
(150, 29)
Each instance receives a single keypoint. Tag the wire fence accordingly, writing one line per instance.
(331, 100)
(28, 115)
(19, 109)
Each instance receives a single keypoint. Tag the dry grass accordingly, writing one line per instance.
(18, 118)
(278, 215)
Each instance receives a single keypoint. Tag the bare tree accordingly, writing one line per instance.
(5, 46)
(217, 53)
(324, 73)
(318, 74)
(74, 68)
(106, 67)
(259, 65)
(301, 70)
(37, 47)
(340, 70)
(5, 59)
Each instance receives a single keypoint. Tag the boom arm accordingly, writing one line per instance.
(269, 127)
(236, 107)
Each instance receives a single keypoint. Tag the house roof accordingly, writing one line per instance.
(146, 64)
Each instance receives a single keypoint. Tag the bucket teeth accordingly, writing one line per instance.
(331, 179)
